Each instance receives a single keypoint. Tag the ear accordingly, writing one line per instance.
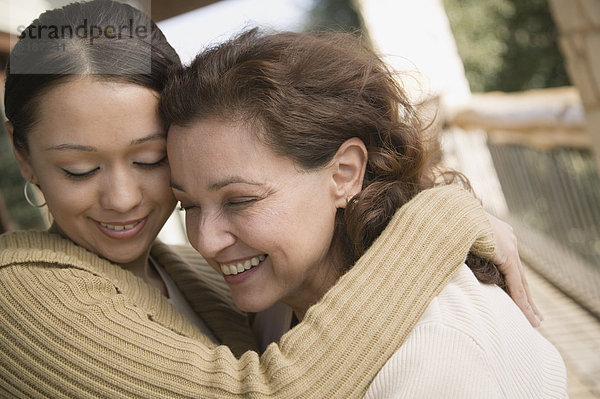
(349, 164)
(21, 156)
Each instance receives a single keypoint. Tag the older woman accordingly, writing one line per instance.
(290, 154)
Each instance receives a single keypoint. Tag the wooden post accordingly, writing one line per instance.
(579, 25)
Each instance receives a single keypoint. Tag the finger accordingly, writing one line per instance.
(538, 315)
(530, 296)
(519, 293)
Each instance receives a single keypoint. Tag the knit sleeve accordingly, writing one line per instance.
(69, 334)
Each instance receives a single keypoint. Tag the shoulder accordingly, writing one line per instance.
(56, 260)
(48, 279)
(472, 340)
(36, 255)
(21, 246)
(42, 248)
(39, 266)
(46, 274)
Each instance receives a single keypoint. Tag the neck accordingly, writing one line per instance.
(313, 290)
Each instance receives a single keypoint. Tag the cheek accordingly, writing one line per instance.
(316, 214)
(302, 233)
(314, 231)
(157, 184)
(302, 222)
(65, 197)
(192, 222)
(69, 208)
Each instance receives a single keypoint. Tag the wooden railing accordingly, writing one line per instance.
(542, 159)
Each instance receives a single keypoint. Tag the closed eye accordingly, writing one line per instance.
(186, 208)
(151, 165)
(242, 201)
(80, 175)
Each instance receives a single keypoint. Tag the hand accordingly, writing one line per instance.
(506, 258)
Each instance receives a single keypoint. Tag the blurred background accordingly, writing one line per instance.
(512, 88)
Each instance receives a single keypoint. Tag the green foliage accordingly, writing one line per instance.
(507, 45)
(338, 15)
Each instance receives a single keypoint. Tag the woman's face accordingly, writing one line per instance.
(259, 220)
(98, 152)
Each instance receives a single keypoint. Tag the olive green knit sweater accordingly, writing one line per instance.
(75, 326)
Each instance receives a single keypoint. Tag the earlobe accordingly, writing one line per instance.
(10, 129)
(349, 162)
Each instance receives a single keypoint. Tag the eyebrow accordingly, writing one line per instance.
(220, 184)
(76, 147)
(156, 136)
(79, 147)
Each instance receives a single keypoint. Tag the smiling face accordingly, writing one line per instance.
(259, 220)
(98, 152)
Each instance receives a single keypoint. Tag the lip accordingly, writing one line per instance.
(239, 278)
(122, 234)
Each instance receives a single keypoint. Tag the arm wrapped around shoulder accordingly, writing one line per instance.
(67, 332)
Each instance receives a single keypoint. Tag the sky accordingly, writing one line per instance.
(191, 32)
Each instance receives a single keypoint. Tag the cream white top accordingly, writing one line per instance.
(472, 342)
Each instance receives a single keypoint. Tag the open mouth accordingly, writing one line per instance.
(119, 227)
(240, 267)
(122, 230)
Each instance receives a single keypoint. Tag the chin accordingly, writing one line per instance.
(124, 257)
(252, 306)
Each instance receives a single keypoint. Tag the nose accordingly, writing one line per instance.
(209, 234)
(121, 191)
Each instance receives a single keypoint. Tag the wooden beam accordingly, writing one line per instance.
(543, 118)
(541, 138)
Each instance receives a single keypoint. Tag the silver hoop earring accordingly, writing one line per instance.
(29, 201)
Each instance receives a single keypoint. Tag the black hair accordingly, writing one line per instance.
(103, 39)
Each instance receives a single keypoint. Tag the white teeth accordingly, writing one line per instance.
(118, 228)
(242, 266)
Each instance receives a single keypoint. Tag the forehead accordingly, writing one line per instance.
(210, 149)
(90, 112)
(214, 138)
(221, 126)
